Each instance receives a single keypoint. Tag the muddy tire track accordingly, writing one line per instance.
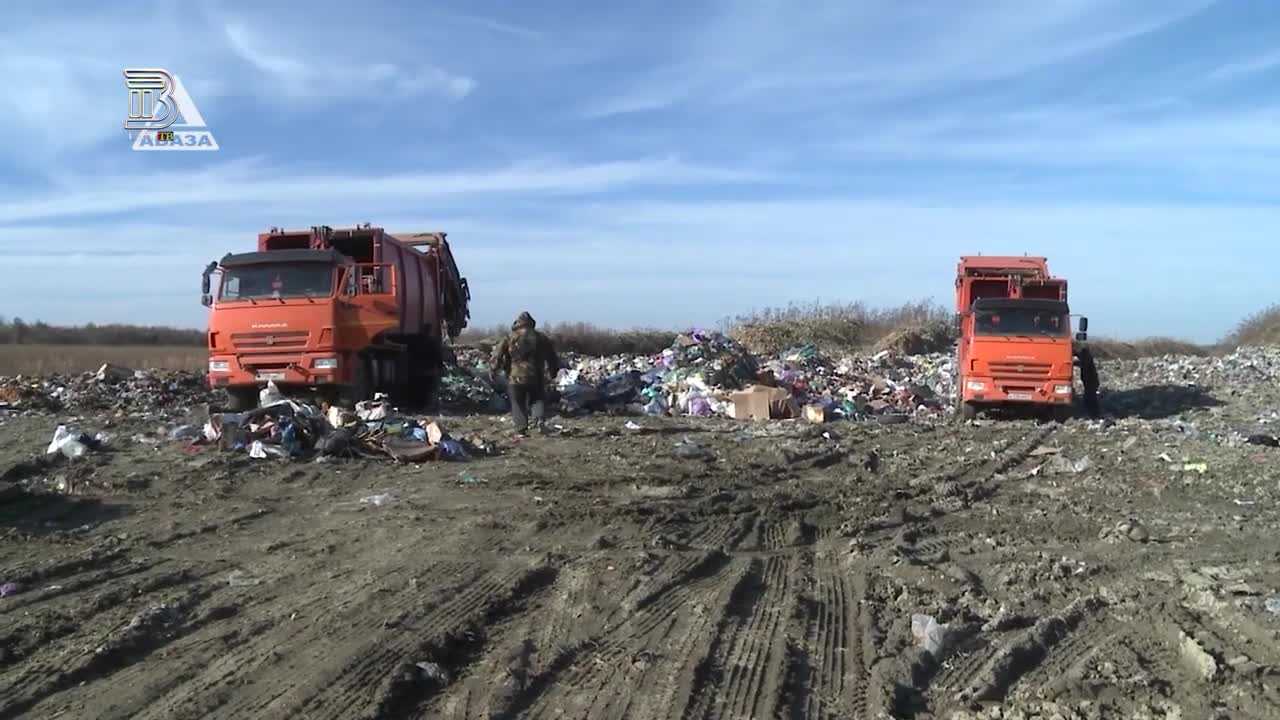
(740, 673)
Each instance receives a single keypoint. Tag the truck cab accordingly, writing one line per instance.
(1015, 343)
(291, 317)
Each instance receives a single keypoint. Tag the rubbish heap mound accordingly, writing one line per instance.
(919, 340)
(707, 373)
(470, 383)
(683, 379)
(122, 391)
(282, 428)
(1243, 367)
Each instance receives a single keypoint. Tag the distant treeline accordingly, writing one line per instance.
(18, 332)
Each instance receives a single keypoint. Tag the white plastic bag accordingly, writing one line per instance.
(929, 634)
(270, 395)
(66, 442)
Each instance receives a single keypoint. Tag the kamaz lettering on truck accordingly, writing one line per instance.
(346, 312)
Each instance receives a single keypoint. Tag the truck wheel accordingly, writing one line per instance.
(431, 391)
(1061, 414)
(242, 399)
(362, 382)
(968, 411)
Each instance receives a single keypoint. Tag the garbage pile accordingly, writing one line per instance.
(280, 428)
(1241, 368)
(687, 378)
(22, 393)
(709, 374)
(470, 382)
(886, 382)
(122, 391)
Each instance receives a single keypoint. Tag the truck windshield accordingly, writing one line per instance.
(276, 281)
(1021, 321)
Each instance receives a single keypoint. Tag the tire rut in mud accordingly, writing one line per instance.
(740, 674)
(154, 626)
(413, 683)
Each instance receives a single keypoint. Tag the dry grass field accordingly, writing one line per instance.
(45, 359)
(851, 327)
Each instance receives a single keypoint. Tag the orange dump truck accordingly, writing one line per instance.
(1015, 345)
(343, 312)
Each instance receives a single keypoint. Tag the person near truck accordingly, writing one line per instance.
(529, 359)
(1089, 377)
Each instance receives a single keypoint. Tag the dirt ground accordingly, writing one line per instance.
(691, 569)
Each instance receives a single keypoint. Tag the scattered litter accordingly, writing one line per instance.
(10, 588)
(74, 444)
(929, 634)
(1272, 604)
(435, 671)
(239, 578)
(186, 432)
(1045, 450)
(378, 500)
(1128, 529)
(114, 373)
(1197, 657)
(1062, 465)
(687, 449)
(270, 395)
(1198, 467)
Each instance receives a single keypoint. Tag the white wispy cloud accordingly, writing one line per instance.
(249, 185)
(1264, 62)
(310, 74)
(501, 27)
(881, 51)
(1241, 144)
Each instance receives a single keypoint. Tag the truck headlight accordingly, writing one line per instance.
(1062, 389)
(325, 364)
(976, 385)
(219, 366)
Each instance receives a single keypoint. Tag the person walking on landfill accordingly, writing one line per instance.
(529, 359)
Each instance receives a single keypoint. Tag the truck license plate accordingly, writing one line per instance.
(270, 376)
(1019, 396)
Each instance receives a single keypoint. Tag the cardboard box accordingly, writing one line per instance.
(759, 402)
(751, 403)
(435, 433)
(815, 413)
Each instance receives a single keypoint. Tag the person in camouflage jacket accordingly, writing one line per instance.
(529, 359)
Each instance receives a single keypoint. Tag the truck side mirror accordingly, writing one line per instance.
(1084, 324)
(205, 298)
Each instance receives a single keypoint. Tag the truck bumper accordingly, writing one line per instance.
(992, 391)
(226, 371)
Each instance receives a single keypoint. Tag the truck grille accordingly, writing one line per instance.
(288, 340)
(1020, 371)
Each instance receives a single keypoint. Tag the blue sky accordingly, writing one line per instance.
(670, 163)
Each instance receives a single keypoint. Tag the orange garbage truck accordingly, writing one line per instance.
(344, 313)
(1015, 345)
